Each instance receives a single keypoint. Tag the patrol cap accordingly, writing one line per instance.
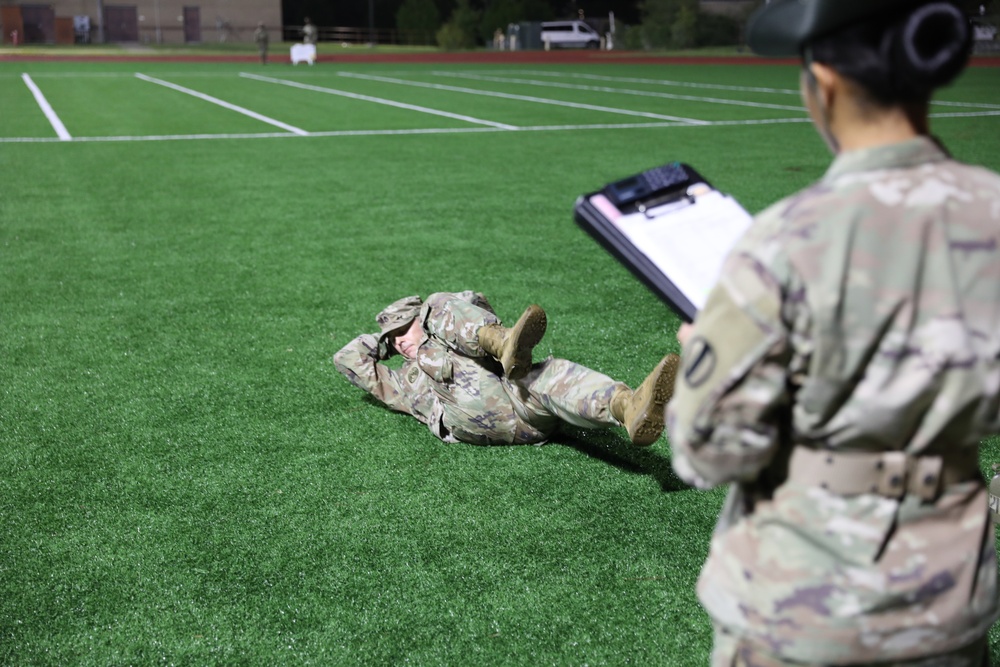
(783, 27)
(396, 316)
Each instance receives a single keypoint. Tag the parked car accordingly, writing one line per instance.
(569, 34)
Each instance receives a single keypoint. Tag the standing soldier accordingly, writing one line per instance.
(469, 379)
(847, 365)
(309, 32)
(260, 36)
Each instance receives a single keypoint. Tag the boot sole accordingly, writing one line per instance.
(647, 425)
(525, 335)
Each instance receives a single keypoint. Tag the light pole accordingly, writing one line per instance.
(156, 20)
(371, 22)
(100, 21)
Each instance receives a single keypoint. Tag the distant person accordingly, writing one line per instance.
(261, 38)
(470, 379)
(309, 33)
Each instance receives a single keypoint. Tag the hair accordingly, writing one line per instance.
(900, 60)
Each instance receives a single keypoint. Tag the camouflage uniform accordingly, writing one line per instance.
(840, 378)
(460, 392)
(260, 36)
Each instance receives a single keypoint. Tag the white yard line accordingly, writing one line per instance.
(974, 105)
(224, 104)
(657, 82)
(688, 84)
(967, 114)
(379, 100)
(623, 91)
(523, 98)
(260, 135)
(447, 130)
(47, 109)
(414, 131)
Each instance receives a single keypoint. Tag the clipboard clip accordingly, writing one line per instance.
(664, 204)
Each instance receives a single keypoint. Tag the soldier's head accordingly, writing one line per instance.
(879, 55)
(395, 320)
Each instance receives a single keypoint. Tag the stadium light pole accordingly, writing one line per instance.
(371, 22)
(156, 20)
(100, 21)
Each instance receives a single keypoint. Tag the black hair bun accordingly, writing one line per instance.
(928, 48)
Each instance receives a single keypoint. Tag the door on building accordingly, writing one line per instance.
(121, 23)
(192, 24)
(39, 24)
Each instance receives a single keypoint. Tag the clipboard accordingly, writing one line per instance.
(670, 227)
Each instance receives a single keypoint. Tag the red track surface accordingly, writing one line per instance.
(492, 57)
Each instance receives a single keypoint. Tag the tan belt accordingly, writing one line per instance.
(891, 474)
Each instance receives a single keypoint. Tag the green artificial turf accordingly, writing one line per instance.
(187, 480)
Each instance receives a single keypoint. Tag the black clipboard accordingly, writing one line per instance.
(655, 193)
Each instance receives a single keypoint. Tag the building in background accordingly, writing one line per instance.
(143, 21)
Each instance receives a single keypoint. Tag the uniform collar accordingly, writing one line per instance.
(911, 153)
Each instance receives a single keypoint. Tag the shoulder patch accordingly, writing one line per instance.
(700, 362)
(412, 374)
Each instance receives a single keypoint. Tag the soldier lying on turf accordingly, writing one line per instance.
(472, 380)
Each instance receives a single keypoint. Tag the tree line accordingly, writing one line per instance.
(663, 24)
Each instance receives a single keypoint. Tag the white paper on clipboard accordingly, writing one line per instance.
(687, 241)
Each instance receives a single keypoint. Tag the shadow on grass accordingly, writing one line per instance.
(608, 446)
(611, 448)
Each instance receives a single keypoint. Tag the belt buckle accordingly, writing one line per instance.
(893, 479)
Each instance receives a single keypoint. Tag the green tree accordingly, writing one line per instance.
(669, 24)
(684, 29)
(461, 29)
(418, 21)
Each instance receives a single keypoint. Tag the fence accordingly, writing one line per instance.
(346, 35)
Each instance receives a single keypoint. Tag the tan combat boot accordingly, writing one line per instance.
(641, 411)
(512, 347)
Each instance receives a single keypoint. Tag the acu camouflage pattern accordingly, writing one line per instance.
(459, 392)
(860, 315)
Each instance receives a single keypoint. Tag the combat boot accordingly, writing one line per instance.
(512, 347)
(641, 411)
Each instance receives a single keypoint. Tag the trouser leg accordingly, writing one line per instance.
(456, 322)
(564, 390)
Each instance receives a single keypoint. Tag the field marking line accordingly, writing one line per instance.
(522, 98)
(379, 100)
(624, 91)
(691, 84)
(450, 130)
(224, 104)
(974, 105)
(252, 135)
(47, 109)
(411, 131)
(574, 75)
(658, 82)
(966, 114)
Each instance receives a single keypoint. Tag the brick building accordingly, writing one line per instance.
(149, 21)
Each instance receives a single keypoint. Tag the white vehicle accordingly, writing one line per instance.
(569, 34)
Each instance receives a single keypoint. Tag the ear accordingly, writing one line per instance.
(828, 82)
